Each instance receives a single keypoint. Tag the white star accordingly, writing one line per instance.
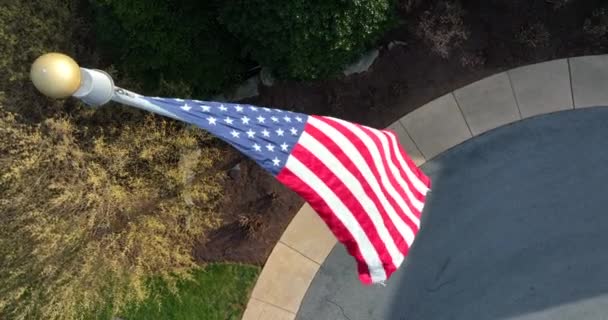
(223, 108)
(186, 107)
(235, 134)
(238, 108)
(245, 120)
(257, 147)
(276, 162)
(266, 109)
(250, 133)
(252, 108)
(261, 119)
(280, 132)
(274, 119)
(287, 119)
(266, 133)
(211, 120)
(284, 146)
(299, 119)
(279, 110)
(293, 131)
(228, 120)
(206, 108)
(270, 147)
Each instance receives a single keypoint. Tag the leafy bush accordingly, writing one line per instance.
(169, 43)
(204, 44)
(305, 39)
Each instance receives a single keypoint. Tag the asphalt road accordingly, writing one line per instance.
(516, 227)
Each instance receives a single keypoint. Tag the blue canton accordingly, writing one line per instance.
(266, 135)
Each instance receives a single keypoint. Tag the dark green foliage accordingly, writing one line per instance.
(306, 39)
(205, 45)
(169, 44)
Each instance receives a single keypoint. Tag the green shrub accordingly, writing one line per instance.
(304, 39)
(169, 43)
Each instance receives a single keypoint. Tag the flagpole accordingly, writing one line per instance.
(58, 76)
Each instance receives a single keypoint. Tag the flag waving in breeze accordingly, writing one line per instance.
(358, 179)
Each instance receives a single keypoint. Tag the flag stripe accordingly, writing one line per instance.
(337, 227)
(410, 176)
(400, 233)
(418, 178)
(391, 154)
(332, 205)
(400, 174)
(416, 199)
(338, 177)
(379, 180)
(408, 210)
(372, 147)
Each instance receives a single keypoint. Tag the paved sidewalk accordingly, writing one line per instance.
(515, 228)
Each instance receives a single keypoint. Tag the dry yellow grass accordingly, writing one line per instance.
(82, 224)
(92, 203)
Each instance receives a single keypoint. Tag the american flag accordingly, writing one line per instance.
(358, 179)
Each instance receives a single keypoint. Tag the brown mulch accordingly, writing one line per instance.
(501, 37)
(256, 210)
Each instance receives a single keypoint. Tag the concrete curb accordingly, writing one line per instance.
(425, 133)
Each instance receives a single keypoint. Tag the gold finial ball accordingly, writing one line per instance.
(55, 75)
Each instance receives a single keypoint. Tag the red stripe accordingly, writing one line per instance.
(400, 188)
(410, 163)
(348, 198)
(317, 203)
(368, 159)
(393, 157)
(397, 237)
(410, 185)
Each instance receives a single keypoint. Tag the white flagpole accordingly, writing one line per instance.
(58, 76)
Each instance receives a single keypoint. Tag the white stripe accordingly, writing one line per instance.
(353, 185)
(373, 147)
(352, 152)
(346, 217)
(396, 172)
(418, 184)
